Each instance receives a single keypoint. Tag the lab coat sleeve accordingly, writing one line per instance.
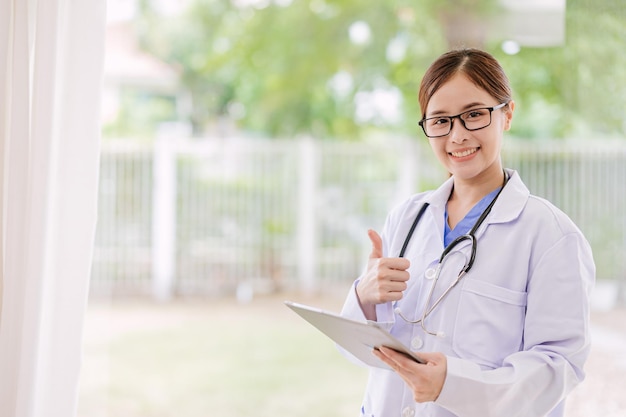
(352, 309)
(556, 344)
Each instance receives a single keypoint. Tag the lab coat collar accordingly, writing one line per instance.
(507, 208)
(512, 200)
(439, 197)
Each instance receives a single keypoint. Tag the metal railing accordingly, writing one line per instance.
(216, 216)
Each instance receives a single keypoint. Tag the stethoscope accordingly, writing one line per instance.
(433, 273)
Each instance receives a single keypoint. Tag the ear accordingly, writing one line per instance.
(508, 114)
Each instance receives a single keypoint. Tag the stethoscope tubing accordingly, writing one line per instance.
(471, 236)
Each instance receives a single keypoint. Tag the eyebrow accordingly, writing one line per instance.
(463, 109)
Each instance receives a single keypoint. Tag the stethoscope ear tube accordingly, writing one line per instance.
(412, 229)
(454, 243)
(457, 241)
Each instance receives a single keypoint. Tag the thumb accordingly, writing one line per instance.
(377, 244)
(432, 358)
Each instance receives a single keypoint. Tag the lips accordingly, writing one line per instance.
(464, 153)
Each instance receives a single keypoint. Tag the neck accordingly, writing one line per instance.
(465, 196)
(469, 192)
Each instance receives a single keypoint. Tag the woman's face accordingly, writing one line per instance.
(468, 155)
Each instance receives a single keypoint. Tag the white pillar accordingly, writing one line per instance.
(163, 218)
(408, 172)
(307, 228)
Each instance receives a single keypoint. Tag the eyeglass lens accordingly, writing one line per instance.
(472, 120)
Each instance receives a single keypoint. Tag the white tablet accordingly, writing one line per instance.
(358, 338)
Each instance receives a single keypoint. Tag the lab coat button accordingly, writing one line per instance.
(417, 343)
(432, 270)
(408, 412)
(430, 273)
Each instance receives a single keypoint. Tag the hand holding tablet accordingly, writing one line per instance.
(358, 338)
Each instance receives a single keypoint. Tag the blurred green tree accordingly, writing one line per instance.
(578, 89)
(344, 68)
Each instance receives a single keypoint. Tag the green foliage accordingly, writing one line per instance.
(271, 69)
(140, 114)
(579, 89)
(286, 68)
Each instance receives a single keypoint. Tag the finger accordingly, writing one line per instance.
(377, 244)
(384, 358)
(389, 356)
(390, 353)
(397, 267)
(432, 358)
(393, 284)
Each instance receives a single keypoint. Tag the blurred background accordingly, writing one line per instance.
(249, 144)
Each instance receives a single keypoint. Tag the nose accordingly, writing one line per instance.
(457, 134)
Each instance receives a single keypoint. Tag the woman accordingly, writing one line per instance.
(502, 320)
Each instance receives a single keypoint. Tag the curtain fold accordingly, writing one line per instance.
(51, 60)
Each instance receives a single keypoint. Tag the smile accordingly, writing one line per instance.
(464, 153)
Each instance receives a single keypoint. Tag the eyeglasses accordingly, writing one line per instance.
(475, 119)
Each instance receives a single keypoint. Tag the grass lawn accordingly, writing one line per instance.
(220, 359)
(213, 358)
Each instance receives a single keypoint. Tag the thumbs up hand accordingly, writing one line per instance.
(384, 280)
(377, 244)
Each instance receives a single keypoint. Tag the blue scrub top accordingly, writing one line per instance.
(465, 225)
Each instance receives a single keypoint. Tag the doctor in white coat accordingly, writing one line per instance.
(501, 316)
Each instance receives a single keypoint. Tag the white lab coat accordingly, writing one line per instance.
(516, 326)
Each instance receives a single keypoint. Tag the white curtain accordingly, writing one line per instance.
(51, 59)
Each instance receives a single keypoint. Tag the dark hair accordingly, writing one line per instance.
(479, 66)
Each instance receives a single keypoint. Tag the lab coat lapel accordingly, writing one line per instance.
(438, 200)
(509, 205)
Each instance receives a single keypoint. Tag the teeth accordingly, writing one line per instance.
(464, 153)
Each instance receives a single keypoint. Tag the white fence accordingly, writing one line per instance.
(210, 217)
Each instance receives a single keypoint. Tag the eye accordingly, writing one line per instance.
(440, 121)
(474, 114)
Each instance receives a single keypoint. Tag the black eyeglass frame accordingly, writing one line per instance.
(458, 116)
